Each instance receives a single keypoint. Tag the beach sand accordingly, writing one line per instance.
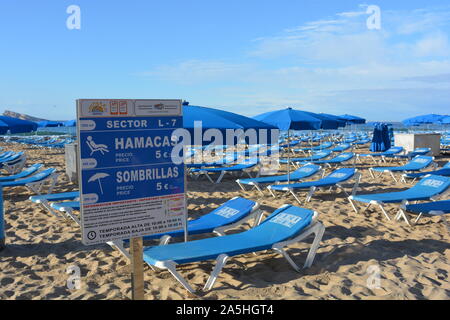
(413, 261)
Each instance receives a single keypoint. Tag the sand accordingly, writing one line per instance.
(413, 261)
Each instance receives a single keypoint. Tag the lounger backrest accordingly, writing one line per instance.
(394, 150)
(431, 185)
(322, 154)
(344, 156)
(420, 150)
(40, 176)
(285, 223)
(231, 211)
(340, 175)
(33, 168)
(307, 169)
(447, 165)
(421, 161)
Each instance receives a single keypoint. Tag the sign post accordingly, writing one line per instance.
(137, 269)
(130, 187)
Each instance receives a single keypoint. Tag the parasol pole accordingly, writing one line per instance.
(289, 156)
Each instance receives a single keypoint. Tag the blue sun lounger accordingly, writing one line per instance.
(246, 167)
(304, 172)
(333, 180)
(381, 155)
(417, 164)
(37, 182)
(340, 159)
(45, 200)
(341, 147)
(286, 226)
(14, 163)
(431, 209)
(25, 173)
(445, 171)
(361, 142)
(426, 189)
(314, 157)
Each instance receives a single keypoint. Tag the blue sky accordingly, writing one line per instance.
(247, 56)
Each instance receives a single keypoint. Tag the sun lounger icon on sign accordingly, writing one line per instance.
(102, 148)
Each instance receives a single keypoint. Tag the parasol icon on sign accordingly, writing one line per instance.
(98, 177)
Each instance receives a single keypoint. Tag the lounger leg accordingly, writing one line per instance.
(295, 196)
(71, 215)
(118, 244)
(258, 188)
(371, 173)
(288, 258)
(164, 240)
(402, 215)
(319, 230)
(172, 269)
(353, 205)
(220, 263)
(272, 193)
(310, 194)
(222, 174)
(384, 212)
(240, 185)
(393, 176)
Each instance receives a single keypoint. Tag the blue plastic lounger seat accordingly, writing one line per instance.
(445, 171)
(433, 209)
(45, 200)
(426, 189)
(417, 164)
(286, 226)
(37, 182)
(304, 172)
(314, 157)
(382, 155)
(25, 173)
(341, 147)
(340, 159)
(333, 180)
(246, 167)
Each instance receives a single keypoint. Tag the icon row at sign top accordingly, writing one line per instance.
(127, 108)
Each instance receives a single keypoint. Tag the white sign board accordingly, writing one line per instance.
(128, 183)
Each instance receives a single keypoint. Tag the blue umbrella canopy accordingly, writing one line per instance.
(341, 122)
(290, 119)
(328, 123)
(18, 125)
(353, 119)
(423, 119)
(70, 123)
(445, 120)
(221, 120)
(3, 127)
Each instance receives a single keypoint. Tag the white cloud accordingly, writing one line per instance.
(434, 45)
